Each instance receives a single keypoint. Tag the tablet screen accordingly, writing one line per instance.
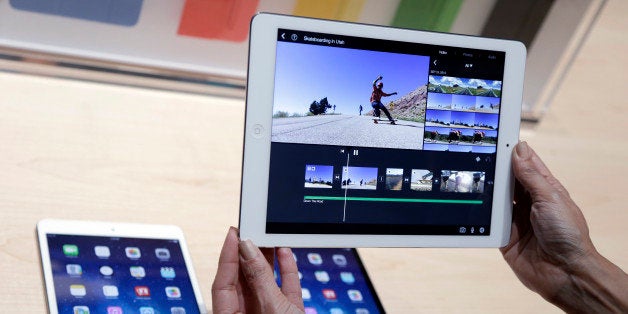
(334, 281)
(373, 136)
(114, 275)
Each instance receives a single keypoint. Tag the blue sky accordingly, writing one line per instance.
(464, 101)
(442, 115)
(436, 99)
(319, 171)
(305, 73)
(464, 117)
(486, 119)
(486, 101)
(360, 173)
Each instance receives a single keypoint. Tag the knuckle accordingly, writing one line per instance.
(254, 270)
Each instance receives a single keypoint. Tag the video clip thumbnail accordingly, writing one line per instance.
(464, 86)
(394, 179)
(318, 176)
(421, 180)
(359, 178)
(462, 181)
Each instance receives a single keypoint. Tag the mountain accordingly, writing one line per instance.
(409, 107)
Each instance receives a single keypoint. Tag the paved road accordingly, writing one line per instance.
(345, 130)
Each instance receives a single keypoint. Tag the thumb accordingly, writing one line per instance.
(533, 175)
(258, 274)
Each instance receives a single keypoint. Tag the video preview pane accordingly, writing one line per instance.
(326, 95)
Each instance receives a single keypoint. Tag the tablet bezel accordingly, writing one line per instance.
(258, 126)
(108, 229)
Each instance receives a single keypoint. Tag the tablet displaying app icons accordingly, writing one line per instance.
(334, 281)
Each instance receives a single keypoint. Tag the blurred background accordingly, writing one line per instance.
(133, 110)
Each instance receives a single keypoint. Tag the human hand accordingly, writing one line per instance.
(550, 250)
(245, 283)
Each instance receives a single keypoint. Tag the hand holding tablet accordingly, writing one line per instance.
(427, 166)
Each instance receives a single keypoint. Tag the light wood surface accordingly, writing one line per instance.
(80, 150)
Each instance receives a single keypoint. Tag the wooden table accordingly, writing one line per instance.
(80, 150)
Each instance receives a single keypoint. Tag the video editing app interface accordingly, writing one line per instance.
(120, 275)
(374, 136)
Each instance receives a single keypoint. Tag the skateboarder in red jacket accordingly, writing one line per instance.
(376, 99)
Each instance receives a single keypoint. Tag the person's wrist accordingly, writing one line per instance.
(595, 286)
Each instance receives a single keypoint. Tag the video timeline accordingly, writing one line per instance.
(393, 179)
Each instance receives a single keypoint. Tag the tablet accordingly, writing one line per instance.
(115, 268)
(367, 136)
(334, 280)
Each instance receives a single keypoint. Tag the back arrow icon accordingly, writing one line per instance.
(283, 35)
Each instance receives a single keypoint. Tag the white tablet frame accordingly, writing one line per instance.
(108, 229)
(258, 126)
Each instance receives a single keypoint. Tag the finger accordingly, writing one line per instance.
(225, 287)
(533, 175)
(269, 255)
(290, 283)
(258, 274)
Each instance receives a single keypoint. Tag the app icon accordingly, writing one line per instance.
(114, 310)
(321, 276)
(167, 272)
(361, 311)
(314, 258)
(162, 253)
(355, 295)
(74, 269)
(106, 270)
(110, 291)
(310, 310)
(133, 252)
(347, 277)
(177, 310)
(339, 259)
(70, 250)
(335, 310)
(305, 294)
(137, 272)
(142, 291)
(173, 292)
(102, 251)
(147, 310)
(80, 309)
(329, 294)
(77, 290)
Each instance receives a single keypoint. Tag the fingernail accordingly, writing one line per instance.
(522, 150)
(248, 250)
(235, 230)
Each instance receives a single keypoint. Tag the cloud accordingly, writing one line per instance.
(476, 83)
(497, 84)
(450, 81)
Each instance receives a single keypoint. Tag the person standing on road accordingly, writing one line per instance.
(361, 109)
(376, 99)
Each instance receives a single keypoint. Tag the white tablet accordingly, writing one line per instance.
(115, 268)
(367, 136)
